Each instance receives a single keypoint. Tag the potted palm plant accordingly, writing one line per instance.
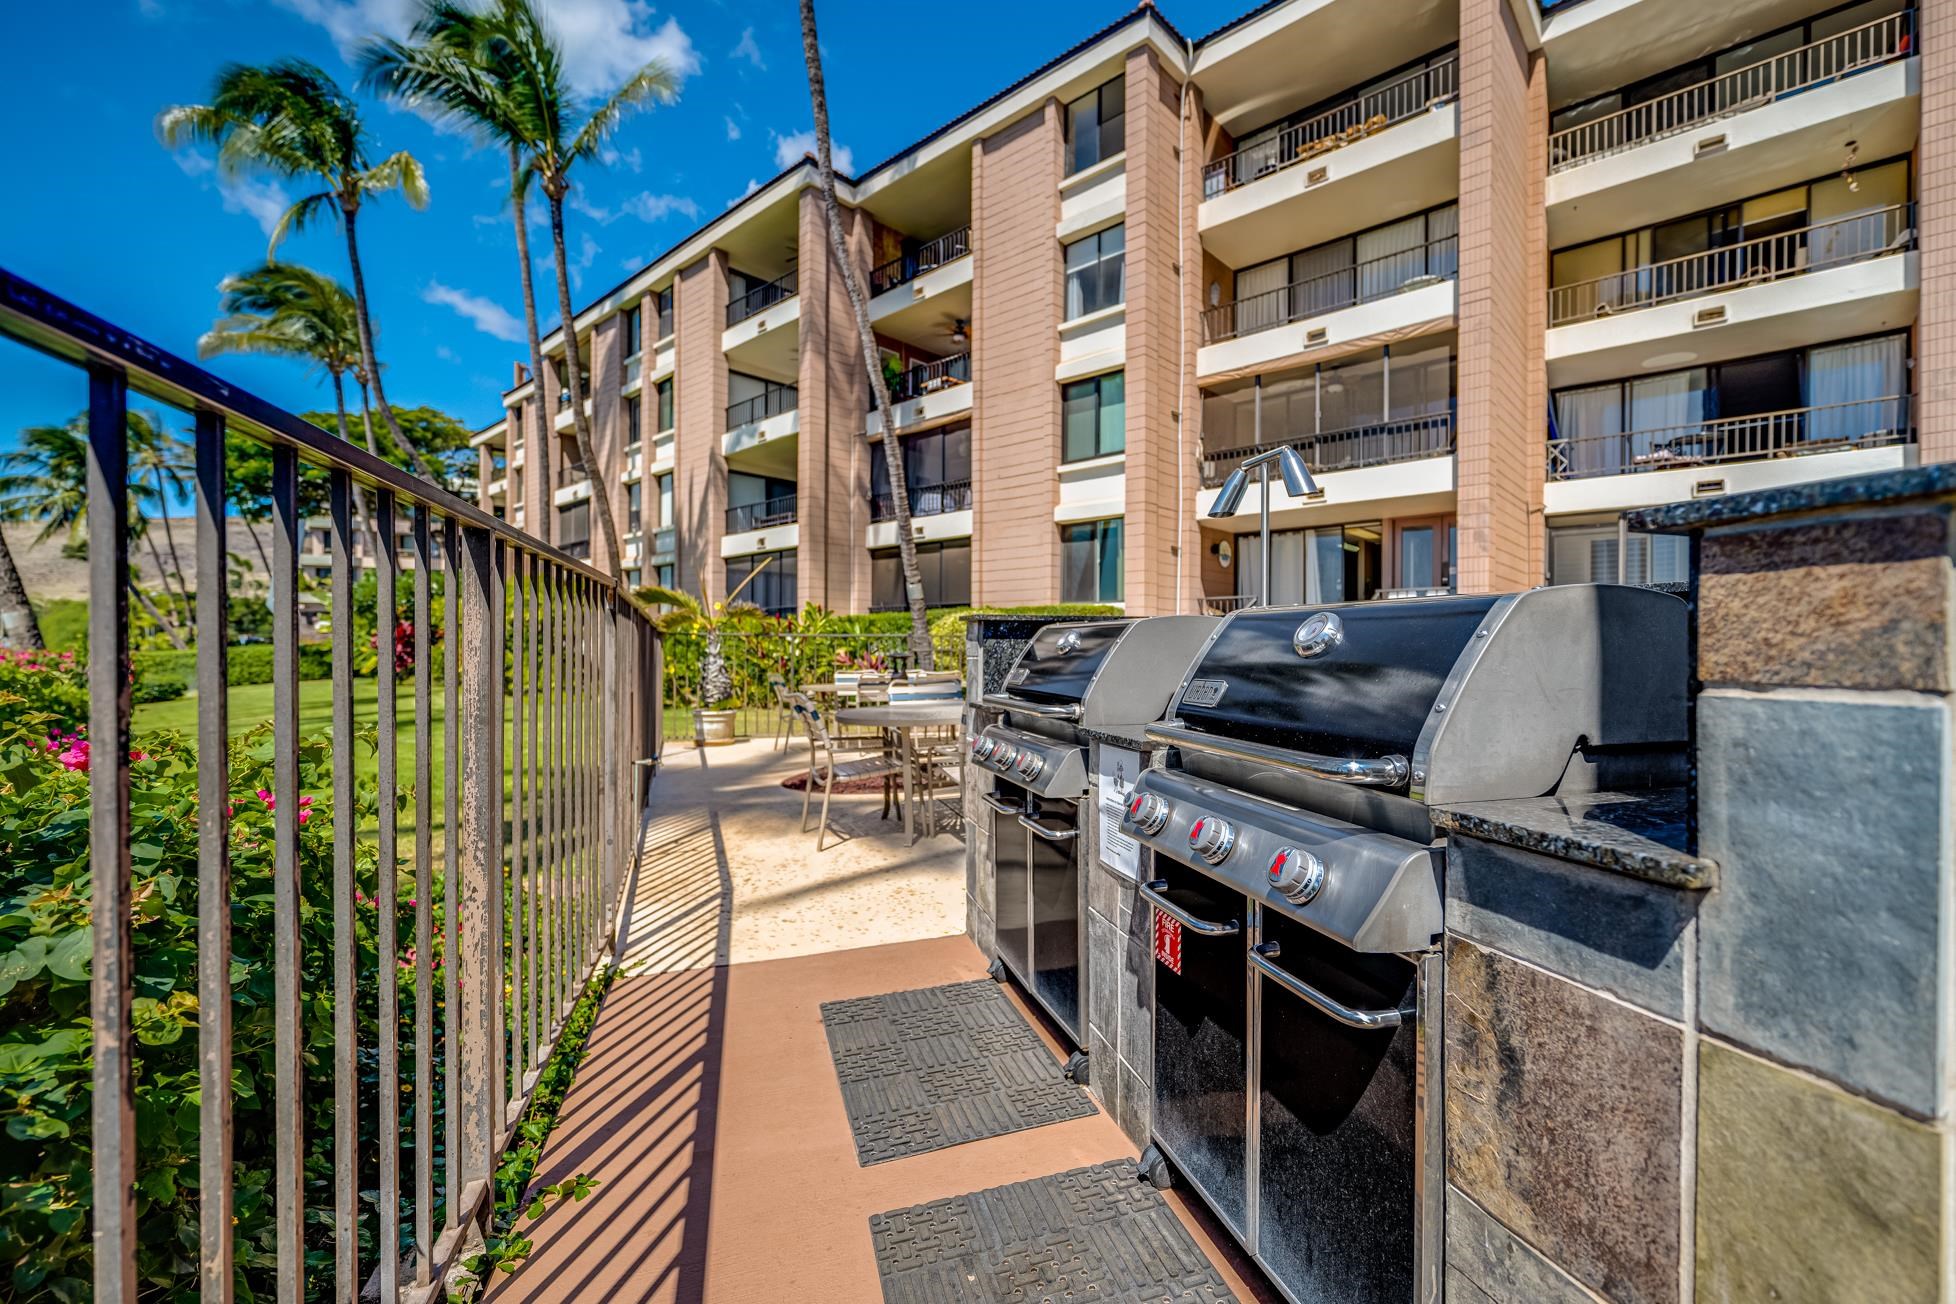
(713, 717)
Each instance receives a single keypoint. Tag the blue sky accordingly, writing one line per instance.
(104, 216)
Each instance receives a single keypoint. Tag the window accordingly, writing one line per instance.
(1608, 554)
(937, 468)
(1090, 561)
(662, 575)
(1096, 272)
(633, 577)
(665, 500)
(945, 569)
(634, 506)
(1339, 563)
(1093, 421)
(574, 528)
(773, 589)
(633, 406)
(1096, 125)
(663, 391)
(1352, 269)
(1425, 553)
(662, 299)
(630, 326)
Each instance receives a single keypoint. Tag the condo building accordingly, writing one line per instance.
(1499, 274)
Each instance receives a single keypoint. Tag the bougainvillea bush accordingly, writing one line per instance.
(45, 900)
(48, 683)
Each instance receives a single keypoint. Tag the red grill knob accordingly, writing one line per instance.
(982, 747)
(1030, 764)
(1299, 875)
(1005, 755)
(1212, 839)
(1147, 812)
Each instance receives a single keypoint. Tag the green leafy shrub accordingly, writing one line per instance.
(64, 624)
(248, 663)
(156, 688)
(52, 684)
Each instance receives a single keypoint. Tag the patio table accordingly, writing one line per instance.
(900, 718)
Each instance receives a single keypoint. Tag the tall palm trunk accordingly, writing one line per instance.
(19, 629)
(170, 538)
(921, 649)
(359, 495)
(538, 519)
(589, 462)
(348, 215)
(143, 600)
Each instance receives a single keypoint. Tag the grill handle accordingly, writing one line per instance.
(1007, 702)
(1002, 807)
(1152, 894)
(1381, 772)
(1040, 830)
(1368, 1020)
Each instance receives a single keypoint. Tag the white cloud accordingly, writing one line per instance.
(752, 186)
(194, 163)
(486, 315)
(633, 263)
(149, 8)
(749, 50)
(733, 129)
(604, 41)
(264, 202)
(789, 149)
(645, 206)
(631, 158)
(446, 354)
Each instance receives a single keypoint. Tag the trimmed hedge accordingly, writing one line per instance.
(247, 663)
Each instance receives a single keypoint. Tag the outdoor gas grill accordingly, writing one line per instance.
(1297, 900)
(1071, 676)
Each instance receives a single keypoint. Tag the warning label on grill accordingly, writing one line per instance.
(1119, 768)
(1168, 942)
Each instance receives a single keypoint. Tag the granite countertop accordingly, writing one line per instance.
(1816, 495)
(1120, 735)
(1637, 833)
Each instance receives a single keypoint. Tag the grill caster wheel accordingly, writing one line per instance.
(1155, 1170)
(1076, 1068)
(996, 971)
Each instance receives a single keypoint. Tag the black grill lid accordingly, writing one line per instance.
(1061, 660)
(1366, 696)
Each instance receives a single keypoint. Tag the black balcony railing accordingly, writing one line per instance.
(569, 474)
(761, 297)
(1869, 46)
(1375, 278)
(1795, 432)
(771, 402)
(762, 515)
(925, 500)
(1753, 262)
(1356, 118)
(927, 258)
(1346, 450)
(928, 378)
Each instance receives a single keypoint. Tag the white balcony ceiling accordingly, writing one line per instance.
(1601, 45)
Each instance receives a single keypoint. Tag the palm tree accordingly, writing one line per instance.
(709, 620)
(155, 452)
(296, 312)
(289, 118)
(498, 71)
(20, 629)
(46, 480)
(921, 649)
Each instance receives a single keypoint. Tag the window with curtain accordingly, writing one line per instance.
(1096, 272)
(1593, 554)
(1858, 389)
(1589, 427)
(773, 589)
(1093, 417)
(628, 322)
(663, 391)
(944, 568)
(1090, 561)
(664, 499)
(634, 506)
(1096, 125)
(574, 528)
(633, 435)
(662, 300)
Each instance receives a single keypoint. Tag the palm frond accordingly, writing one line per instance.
(190, 124)
(655, 82)
(297, 218)
(400, 171)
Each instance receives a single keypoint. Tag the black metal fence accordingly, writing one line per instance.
(548, 677)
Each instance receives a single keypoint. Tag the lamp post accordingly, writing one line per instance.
(1297, 482)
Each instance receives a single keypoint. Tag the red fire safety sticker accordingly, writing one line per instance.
(1168, 942)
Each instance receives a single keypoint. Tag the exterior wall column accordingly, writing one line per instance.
(606, 457)
(1016, 304)
(1503, 288)
(832, 463)
(1163, 282)
(699, 486)
(1935, 347)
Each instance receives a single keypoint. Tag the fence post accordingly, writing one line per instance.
(480, 843)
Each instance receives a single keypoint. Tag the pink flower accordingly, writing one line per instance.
(76, 757)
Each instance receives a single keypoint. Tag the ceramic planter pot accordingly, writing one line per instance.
(713, 728)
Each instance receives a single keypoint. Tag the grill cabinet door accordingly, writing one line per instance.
(1010, 904)
(1335, 1198)
(1200, 1077)
(1055, 872)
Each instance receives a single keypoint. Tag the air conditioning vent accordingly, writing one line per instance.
(1709, 145)
(1707, 488)
(1712, 316)
(1316, 176)
(1317, 335)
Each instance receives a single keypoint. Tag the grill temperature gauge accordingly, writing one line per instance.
(1212, 839)
(1299, 875)
(1147, 812)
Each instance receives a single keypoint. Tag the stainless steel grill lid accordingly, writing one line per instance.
(1102, 672)
(1059, 664)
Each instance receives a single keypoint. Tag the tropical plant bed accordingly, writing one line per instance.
(842, 788)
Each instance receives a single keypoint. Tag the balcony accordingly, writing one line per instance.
(1402, 294)
(761, 515)
(1382, 155)
(1739, 134)
(1384, 444)
(760, 298)
(927, 258)
(772, 402)
(1855, 276)
(1798, 432)
(925, 500)
(926, 394)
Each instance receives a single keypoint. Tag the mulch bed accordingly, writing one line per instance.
(842, 788)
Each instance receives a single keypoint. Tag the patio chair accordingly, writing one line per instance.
(784, 712)
(937, 760)
(824, 761)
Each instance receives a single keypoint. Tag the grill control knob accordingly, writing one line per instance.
(1212, 839)
(982, 747)
(1147, 812)
(1004, 756)
(1299, 875)
(1030, 764)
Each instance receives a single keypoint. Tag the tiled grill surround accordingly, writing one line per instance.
(1658, 1094)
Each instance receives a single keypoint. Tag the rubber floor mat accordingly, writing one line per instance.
(1096, 1233)
(939, 1066)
